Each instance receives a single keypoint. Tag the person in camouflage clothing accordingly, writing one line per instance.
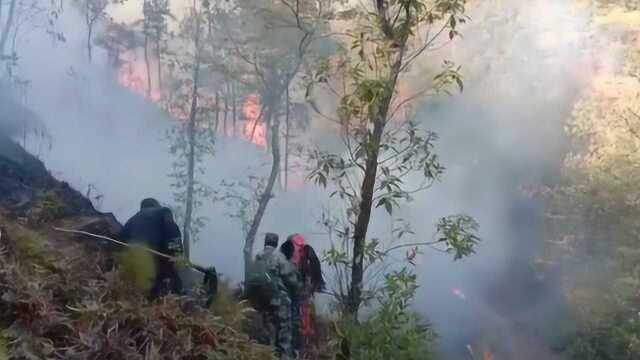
(287, 286)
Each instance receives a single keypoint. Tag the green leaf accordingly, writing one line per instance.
(387, 205)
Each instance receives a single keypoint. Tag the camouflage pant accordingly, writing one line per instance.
(279, 317)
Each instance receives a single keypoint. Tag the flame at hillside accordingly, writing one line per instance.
(254, 130)
(133, 76)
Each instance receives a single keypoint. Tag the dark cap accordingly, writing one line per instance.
(149, 203)
(271, 239)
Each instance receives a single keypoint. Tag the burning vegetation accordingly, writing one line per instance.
(254, 130)
(562, 284)
(133, 76)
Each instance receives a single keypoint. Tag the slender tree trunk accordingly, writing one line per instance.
(146, 62)
(233, 106)
(89, 22)
(159, 58)
(169, 89)
(362, 222)
(192, 147)
(379, 119)
(191, 131)
(267, 127)
(270, 112)
(145, 28)
(217, 110)
(89, 47)
(286, 141)
(271, 117)
(226, 108)
(1, 7)
(14, 39)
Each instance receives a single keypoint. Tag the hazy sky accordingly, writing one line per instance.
(521, 77)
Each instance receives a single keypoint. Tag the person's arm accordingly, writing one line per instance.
(173, 235)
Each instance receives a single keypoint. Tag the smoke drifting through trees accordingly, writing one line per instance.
(504, 131)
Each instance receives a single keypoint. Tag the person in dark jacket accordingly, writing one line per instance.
(154, 227)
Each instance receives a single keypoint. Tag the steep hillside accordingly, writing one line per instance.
(62, 298)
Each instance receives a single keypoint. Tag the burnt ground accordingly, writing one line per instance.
(31, 196)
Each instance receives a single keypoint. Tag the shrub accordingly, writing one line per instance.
(392, 331)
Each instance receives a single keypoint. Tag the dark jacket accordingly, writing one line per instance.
(155, 228)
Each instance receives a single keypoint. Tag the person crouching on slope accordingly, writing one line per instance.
(154, 227)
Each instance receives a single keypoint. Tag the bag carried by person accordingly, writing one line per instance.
(261, 285)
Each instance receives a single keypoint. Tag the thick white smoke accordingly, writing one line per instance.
(525, 62)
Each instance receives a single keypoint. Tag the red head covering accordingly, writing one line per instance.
(298, 249)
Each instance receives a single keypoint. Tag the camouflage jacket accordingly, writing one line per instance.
(288, 279)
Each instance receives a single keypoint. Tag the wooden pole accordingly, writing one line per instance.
(197, 267)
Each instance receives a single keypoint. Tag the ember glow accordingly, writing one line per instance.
(457, 292)
(254, 129)
(487, 355)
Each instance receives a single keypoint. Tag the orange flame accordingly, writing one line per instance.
(133, 76)
(254, 130)
(486, 355)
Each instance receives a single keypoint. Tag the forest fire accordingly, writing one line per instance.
(486, 355)
(254, 130)
(133, 76)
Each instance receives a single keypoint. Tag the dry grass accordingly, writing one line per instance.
(58, 303)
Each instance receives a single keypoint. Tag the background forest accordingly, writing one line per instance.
(467, 169)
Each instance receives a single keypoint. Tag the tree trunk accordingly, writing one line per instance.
(267, 128)
(226, 108)
(217, 111)
(366, 196)
(286, 141)
(271, 112)
(89, 22)
(158, 57)
(233, 106)
(146, 62)
(190, 170)
(145, 30)
(367, 189)
(192, 149)
(271, 118)
(89, 47)
(362, 222)
(7, 26)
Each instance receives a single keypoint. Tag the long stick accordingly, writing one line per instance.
(200, 268)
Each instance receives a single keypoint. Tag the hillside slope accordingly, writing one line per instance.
(60, 296)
